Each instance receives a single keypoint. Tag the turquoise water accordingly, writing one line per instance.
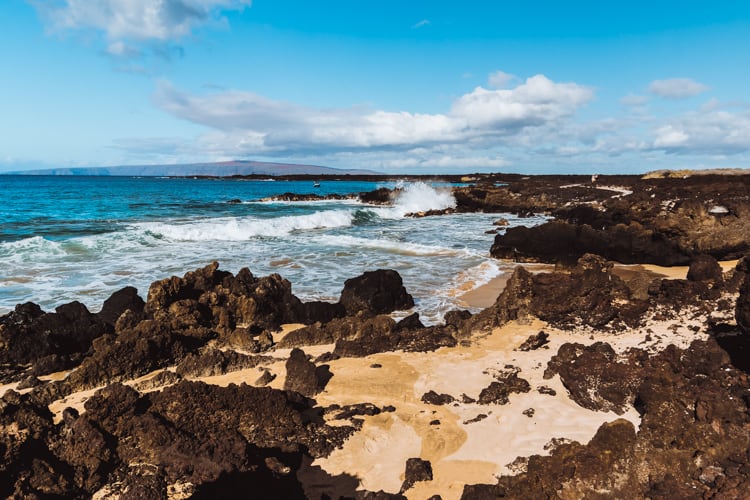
(82, 238)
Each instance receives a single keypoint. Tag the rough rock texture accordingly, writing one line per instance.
(29, 335)
(375, 292)
(217, 362)
(590, 294)
(705, 268)
(416, 470)
(693, 438)
(433, 398)
(119, 302)
(507, 383)
(582, 367)
(303, 376)
(534, 342)
(361, 335)
(220, 440)
(666, 221)
(742, 311)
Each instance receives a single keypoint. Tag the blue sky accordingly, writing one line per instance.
(532, 87)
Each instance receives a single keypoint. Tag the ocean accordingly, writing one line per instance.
(83, 238)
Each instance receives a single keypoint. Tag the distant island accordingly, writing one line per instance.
(215, 169)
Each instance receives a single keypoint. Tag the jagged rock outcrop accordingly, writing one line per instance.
(416, 470)
(506, 383)
(119, 302)
(375, 292)
(628, 244)
(693, 437)
(303, 376)
(590, 294)
(58, 340)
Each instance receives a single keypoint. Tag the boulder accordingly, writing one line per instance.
(119, 302)
(705, 268)
(375, 292)
(302, 375)
(416, 470)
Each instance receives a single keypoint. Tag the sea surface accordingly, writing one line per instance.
(83, 238)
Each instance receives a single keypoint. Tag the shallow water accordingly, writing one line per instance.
(82, 238)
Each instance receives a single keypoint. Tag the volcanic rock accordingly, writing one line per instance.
(118, 303)
(375, 292)
(583, 367)
(742, 311)
(303, 376)
(416, 470)
(534, 342)
(213, 362)
(705, 268)
(507, 383)
(433, 398)
(589, 294)
(28, 335)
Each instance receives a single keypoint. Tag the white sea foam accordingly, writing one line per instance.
(240, 229)
(417, 197)
(390, 246)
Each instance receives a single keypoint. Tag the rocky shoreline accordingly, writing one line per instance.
(588, 381)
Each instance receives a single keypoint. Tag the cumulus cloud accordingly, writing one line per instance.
(717, 131)
(500, 79)
(677, 88)
(272, 125)
(135, 19)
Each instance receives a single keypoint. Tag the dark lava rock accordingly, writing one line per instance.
(28, 383)
(118, 303)
(375, 292)
(534, 342)
(507, 383)
(349, 411)
(427, 339)
(348, 328)
(416, 470)
(302, 375)
(28, 335)
(628, 244)
(433, 398)
(590, 294)
(478, 418)
(265, 379)
(543, 389)
(360, 336)
(379, 196)
(694, 421)
(705, 268)
(218, 362)
(581, 367)
(162, 378)
(742, 311)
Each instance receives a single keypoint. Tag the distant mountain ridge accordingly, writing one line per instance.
(219, 169)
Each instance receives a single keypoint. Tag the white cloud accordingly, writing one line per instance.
(421, 24)
(677, 88)
(537, 101)
(499, 79)
(137, 20)
(278, 126)
(712, 132)
(669, 137)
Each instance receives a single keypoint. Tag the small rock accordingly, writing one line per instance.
(433, 398)
(416, 470)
